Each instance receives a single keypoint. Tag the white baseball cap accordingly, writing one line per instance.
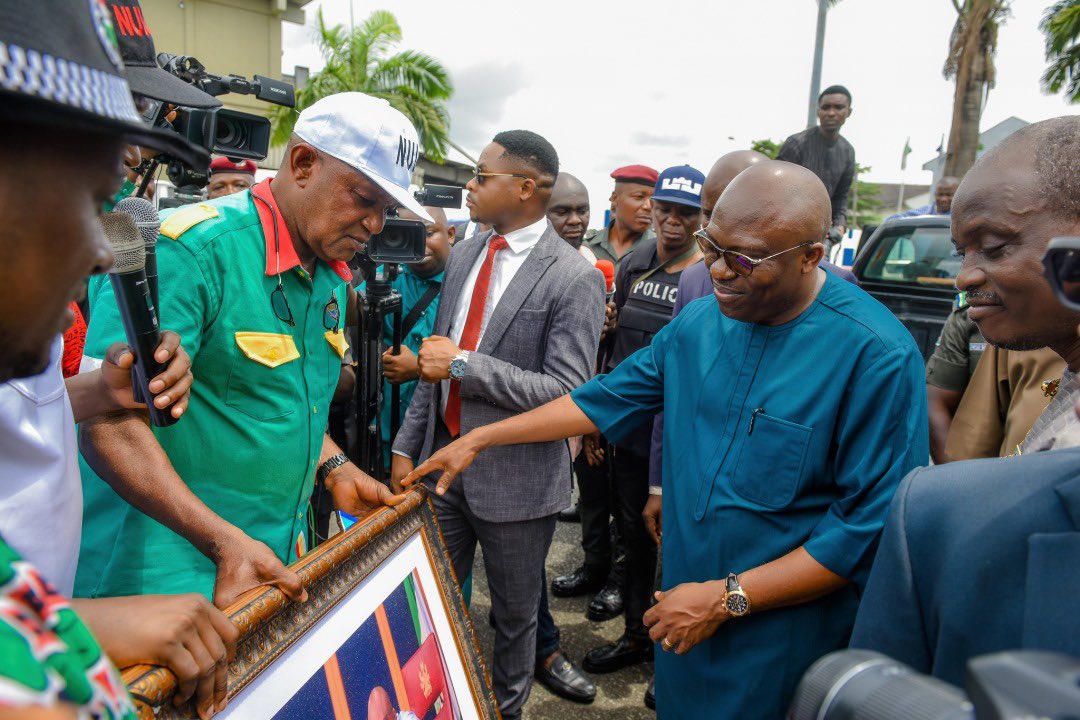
(366, 133)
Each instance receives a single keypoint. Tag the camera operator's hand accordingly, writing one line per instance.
(400, 466)
(356, 492)
(435, 355)
(400, 368)
(244, 563)
(171, 387)
(183, 633)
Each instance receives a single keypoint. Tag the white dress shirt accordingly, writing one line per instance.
(507, 263)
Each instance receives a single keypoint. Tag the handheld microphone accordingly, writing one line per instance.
(608, 269)
(137, 312)
(146, 219)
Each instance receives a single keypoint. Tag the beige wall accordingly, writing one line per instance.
(241, 37)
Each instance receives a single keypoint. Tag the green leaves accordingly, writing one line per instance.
(363, 60)
(1061, 25)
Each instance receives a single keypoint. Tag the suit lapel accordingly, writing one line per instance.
(461, 261)
(1051, 621)
(519, 288)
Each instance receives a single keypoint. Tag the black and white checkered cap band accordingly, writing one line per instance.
(41, 75)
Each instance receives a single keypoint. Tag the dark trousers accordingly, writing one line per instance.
(602, 554)
(547, 633)
(514, 555)
(630, 478)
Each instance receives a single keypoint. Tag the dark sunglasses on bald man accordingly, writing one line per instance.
(1061, 266)
(740, 264)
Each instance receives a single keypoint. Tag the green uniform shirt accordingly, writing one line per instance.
(957, 353)
(47, 654)
(602, 248)
(249, 444)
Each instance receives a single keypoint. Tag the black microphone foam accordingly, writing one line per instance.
(137, 311)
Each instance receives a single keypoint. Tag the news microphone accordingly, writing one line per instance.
(607, 268)
(146, 219)
(137, 312)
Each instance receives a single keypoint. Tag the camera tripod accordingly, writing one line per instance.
(379, 302)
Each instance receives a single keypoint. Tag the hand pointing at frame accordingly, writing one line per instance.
(559, 419)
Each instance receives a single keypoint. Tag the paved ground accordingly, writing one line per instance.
(619, 695)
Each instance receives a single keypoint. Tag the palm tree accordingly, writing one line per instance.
(1061, 25)
(360, 60)
(971, 61)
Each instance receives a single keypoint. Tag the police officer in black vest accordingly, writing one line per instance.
(645, 290)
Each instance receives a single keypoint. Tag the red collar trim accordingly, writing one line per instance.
(286, 258)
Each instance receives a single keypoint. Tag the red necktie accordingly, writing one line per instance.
(470, 335)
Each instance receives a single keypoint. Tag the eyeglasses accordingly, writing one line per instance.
(481, 176)
(1062, 270)
(280, 304)
(740, 264)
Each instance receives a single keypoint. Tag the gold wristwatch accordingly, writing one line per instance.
(736, 600)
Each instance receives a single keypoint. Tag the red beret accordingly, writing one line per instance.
(642, 174)
(225, 165)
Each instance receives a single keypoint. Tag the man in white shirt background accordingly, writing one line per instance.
(518, 325)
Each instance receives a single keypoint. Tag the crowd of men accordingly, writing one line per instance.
(750, 432)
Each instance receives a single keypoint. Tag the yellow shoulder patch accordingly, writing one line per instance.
(185, 218)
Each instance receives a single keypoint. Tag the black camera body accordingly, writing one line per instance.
(405, 241)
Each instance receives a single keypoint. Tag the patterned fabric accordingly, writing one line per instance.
(1058, 427)
(47, 655)
(59, 80)
(74, 341)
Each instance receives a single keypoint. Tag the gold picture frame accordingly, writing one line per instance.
(272, 628)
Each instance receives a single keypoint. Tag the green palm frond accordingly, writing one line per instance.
(362, 60)
(1061, 25)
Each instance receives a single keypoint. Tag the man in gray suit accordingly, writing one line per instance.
(518, 326)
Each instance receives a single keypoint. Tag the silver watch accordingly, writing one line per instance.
(457, 365)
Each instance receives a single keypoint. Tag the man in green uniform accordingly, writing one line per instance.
(631, 211)
(948, 371)
(255, 283)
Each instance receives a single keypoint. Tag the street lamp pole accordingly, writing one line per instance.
(819, 51)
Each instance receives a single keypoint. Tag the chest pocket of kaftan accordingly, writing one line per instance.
(771, 462)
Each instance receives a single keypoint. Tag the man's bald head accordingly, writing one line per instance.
(723, 172)
(568, 209)
(781, 194)
(772, 208)
(1012, 202)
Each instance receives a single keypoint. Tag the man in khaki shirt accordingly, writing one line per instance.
(1001, 403)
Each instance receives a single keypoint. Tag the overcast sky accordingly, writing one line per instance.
(666, 83)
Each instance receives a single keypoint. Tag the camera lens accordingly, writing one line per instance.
(231, 134)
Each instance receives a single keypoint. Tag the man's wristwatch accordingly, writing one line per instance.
(736, 600)
(330, 465)
(457, 365)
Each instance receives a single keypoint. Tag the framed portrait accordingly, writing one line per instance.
(384, 635)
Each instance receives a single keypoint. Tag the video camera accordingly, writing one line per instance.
(405, 241)
(236, 135)
(861, 684)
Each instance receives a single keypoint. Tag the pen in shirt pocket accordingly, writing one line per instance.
(759, 411)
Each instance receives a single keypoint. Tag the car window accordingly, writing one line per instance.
(914, 256)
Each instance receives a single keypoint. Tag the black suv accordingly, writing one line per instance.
(910, 266)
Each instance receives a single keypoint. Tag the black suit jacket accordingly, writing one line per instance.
(977, 557)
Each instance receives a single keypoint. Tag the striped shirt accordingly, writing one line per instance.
(833, 162)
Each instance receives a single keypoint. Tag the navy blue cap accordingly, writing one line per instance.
(680, 184)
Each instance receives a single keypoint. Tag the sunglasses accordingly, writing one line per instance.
(740, 264)
(482, 176)
(1061, 265)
